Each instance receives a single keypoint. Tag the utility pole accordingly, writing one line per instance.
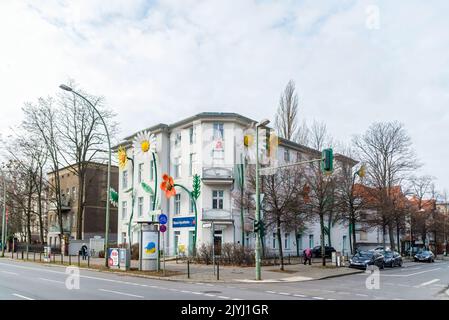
(4, 217)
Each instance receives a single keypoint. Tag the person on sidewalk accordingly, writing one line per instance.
(308, 256)
(84, 252)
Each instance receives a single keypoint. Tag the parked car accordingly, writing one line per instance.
(424, 256)
(392, 259)
(415, 250)
(363, 259)
(316, 251)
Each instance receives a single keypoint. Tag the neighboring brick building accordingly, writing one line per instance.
(94, 209)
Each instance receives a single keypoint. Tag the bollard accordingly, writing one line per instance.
(34, 256)
(70, 260)
(218, 269)
(289, 259)
(62, 258)
(88, 261)
(27, 255)
(54, 258)
(22, 255)
(40, 256)
(79, 263)
(188, 268)
(274, 263)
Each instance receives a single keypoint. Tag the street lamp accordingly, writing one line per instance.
(106, 236)
(262, 123)
(4, 216)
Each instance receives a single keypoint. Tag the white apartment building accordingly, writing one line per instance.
(211, 145)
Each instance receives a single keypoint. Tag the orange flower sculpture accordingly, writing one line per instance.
(168, 185)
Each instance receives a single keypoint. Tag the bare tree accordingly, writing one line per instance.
(286, 120)
(386, 150)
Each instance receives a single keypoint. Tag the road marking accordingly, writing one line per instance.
(361, 295)
(237, 299)
(270, 291)
(20, 296)
(409, 275)
(194, 292)
(122, 293)
(330, 291)
(210, 295)
(223, 297)
(284, 293)
(331, 299)
(300, 295)
(318, 298)
(427, 283)
(13, 273)
(50, 280)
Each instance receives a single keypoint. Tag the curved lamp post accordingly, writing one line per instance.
(106, 235)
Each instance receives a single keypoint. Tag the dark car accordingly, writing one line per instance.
(392, 259)
(415, 250)
(316, 251)
(363, 259)
(424, 256)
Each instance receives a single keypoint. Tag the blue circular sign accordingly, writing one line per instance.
(163, 219)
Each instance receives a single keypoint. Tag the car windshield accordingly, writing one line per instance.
(388, 254)
(364, 254)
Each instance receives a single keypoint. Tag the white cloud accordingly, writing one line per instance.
(162, 61)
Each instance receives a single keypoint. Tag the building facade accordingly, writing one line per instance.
(93, 223)
(210, 145)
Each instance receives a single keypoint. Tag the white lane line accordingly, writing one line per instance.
(223, 297)
(427, 283)
(318, 298)
(284, 293)
(361, 295)
(236, 299)
(7, 272)
(209, 295)
(22, 297)
(330, 291)
(331, 299)
(270, 291)
(50, 280)
(300, 295)
(122, 293)
(409, 275)
(194, 292)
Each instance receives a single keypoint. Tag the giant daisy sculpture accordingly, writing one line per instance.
(145, 142)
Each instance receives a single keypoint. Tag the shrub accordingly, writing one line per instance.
(135, 251)
(101, 254)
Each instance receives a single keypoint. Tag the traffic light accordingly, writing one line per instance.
(259, 227)
(327, 160)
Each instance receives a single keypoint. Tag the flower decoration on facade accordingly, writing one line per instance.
(168, 186)
(122, 157)
(249, 143)
(144, 142)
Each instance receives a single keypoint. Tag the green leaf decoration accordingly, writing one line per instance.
(147, 188)
(113, 197)
(196, 187)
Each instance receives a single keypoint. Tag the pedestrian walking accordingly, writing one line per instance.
(307, 256)
(84, 252)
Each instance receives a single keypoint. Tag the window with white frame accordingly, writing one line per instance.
(177, 203)
(177, 165)
(140, 206)
(287, 241)
(286, 155)
(152, 170)
(192, 135)
(217, 199)
(140, 173)
(125, 180)
(124, 209)
(192, 159)
(177, 139)
(219, 130)
(274, 241)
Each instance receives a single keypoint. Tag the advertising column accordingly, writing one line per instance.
(149, 248)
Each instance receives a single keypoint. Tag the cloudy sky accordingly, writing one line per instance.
(354, 62)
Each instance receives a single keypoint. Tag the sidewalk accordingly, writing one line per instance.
(177, 271)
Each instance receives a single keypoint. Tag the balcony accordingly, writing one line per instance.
(66, 204)
(219, 216)
(55, 228)
(218, 175)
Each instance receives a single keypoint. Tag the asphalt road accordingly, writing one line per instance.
(33, 281)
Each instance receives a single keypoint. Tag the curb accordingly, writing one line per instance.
(191, 280)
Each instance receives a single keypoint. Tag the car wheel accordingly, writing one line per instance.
(382, 266)
(400, 264)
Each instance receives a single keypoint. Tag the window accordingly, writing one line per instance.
(311, 241)
(125, 180)
(217, 199)
(140, 173)
(299, 240)
(177, 203)
(274, 241)
(287, 241)
(177, 167)
(286, 155)
(151, 170)
(218, 130)
(74, 193)
(192, 135)
(363, 235)
(140, 206)
(124, 209)
(177, 139)
(191, 161)
(191, 206)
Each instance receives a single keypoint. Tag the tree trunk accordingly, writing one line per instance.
(397, 237)
(323, 252)
(80, 209)
(391, 236)
(30, 195)
(329, 225)
(39, 207)
(297, 242)
(278, 233)
(354, 241)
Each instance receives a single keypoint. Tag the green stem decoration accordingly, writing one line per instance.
(132, 205)
(155, 180)
(241, 175)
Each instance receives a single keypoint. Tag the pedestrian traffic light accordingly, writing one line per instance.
(259, 227)
(327, 160)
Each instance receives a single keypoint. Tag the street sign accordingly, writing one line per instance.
(163, 219)
(162, 228)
